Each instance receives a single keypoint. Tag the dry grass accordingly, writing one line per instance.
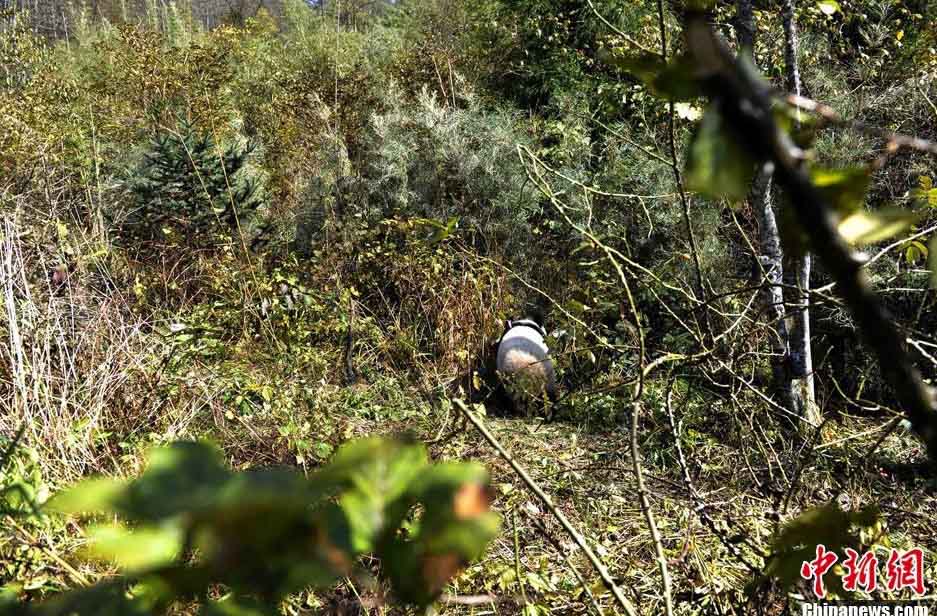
(70, 377)
(68, 358)
(589, 477)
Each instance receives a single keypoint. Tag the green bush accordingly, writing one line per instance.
(188, 191)
(432, 160)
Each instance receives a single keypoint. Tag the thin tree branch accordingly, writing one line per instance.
(677, 176)
(646, 508)
(700, 508)
(896, 141)
(559, 548)
(618, 31)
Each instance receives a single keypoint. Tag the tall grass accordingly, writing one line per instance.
(68, 357)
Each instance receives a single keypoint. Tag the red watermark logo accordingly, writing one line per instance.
(902, 570)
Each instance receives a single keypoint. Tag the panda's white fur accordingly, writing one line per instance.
(524, 363)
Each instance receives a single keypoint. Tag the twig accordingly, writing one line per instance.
(8, 452)
(866, 459)
(635, 144)
(917, 345)
(548, 502)
(51, 553)
(896, 141)
(646, 508)
(799, 471)
(569, 563)
(700, 508)
(559, 306)
(517, 558)
(619, 32)
(930, 103)
(473, 600)
(881, 253)
(677, 176)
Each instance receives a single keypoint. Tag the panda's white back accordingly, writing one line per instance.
(523, 356)
(518, 342)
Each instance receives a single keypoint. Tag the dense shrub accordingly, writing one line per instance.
(432, 160)
(403, 180)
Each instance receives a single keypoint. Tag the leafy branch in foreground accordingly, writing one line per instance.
(188, 523)
(746, 125)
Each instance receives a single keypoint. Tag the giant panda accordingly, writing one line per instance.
(524, 365)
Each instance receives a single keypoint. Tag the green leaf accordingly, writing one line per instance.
(178, 479)
(441, 230)
(378, 473)
(445, 232)
(138, 549)
(827, 525)
(645, 67)
(828, 7)
(273, 532)
(717, 166)
(104, 599)
(354, 462)
(576, 307)
(9, 604)
(97, 495)
(865, 227)
(915, 251)
(674, 80)
(925, 191)
(801, 127)
(844, 189)
(453, 530)
(61, 230)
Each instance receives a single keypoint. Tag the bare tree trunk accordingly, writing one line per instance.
(804, 398)
(772, 263)
(771, 258)
(792, 75)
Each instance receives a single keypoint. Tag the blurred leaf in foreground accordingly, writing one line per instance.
(268, 533)
(717, 166)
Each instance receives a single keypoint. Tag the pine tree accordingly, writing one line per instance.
(187, 190)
